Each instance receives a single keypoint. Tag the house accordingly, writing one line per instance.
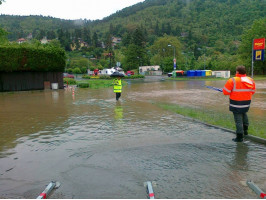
(44, 40)
(221, 74)
(115, 41)
(21, 40)
(107, 54)
(29, 37)
(150, 70)
(81, 44)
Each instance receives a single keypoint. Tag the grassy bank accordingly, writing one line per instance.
(96, 83)
(259, 78)
(226, 120)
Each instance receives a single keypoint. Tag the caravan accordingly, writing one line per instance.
(111, 71)
(107, 71)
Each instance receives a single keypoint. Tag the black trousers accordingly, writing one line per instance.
(118, 95)
(241, 121)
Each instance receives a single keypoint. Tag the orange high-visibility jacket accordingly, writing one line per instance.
(240, 88)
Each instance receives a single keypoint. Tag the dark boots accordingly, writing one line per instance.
(245, 130)
(239, 138)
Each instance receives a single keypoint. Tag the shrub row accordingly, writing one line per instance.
(86, 77)
(105, 77)
(30, 58)
(134, 76)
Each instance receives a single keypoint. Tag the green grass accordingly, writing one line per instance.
(225, 120)
(98, 83)
(259, 77)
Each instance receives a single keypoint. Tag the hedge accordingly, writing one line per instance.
(25, 58)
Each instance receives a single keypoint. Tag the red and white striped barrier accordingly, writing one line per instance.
(256, 189)
(48, 189)
(150, 190)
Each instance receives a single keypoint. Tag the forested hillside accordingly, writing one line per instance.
(203, 22)
(21, 26)
(208, 32)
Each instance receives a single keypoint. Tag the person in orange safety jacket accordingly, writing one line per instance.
(240, 88)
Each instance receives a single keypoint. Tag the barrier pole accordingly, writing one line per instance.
(256, 189)
(47, 190)
(150, 190)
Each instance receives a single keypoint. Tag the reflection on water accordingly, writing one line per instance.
(99, 148)
(118, 111)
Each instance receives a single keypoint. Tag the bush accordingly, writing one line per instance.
(69, 70)
(76, 71)
(134, 77)
(105, 77)
(70, 81)
(86, 76)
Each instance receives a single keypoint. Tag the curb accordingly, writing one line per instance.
(250, 137)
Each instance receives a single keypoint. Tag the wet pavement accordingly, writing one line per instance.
(99, 148)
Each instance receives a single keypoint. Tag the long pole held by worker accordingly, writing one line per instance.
(214, 88)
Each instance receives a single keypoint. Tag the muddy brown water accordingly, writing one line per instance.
(99, 148)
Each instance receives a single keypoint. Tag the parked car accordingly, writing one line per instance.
(130, 73)
(66, 75)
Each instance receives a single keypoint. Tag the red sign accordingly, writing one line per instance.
(259, 44)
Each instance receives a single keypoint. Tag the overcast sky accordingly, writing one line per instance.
(65, 9)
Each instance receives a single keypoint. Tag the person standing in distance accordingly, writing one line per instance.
(117, 87)
(240, 88)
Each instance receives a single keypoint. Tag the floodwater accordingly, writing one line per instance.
(99, 148)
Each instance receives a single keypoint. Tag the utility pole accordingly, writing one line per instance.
(174, 60)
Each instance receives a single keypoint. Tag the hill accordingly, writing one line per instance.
(210, 30)
(204, 20)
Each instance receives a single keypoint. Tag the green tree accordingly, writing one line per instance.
(164, 47)
(131, 57)
(41, 34)
(95, 40)
(86, 35)
(55, 43)
(258, 30)
(167, 64)
(109, 49)
(76, 71)
(126, 39)
(3, 36)
(51, 35)
(104, 63)
(138, 38)
(136, 53)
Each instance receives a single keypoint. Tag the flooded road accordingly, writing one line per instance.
(99, 148)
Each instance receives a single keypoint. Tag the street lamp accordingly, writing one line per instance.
(169, 45)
